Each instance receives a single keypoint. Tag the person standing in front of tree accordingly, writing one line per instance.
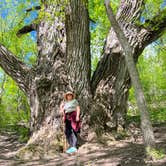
(71, 116)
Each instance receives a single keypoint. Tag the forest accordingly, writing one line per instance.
(49, 47)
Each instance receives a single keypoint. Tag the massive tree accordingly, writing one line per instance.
(64, 63)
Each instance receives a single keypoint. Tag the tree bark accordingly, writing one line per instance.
(140, 98)
(63, 63)
(49, 80)
(27, 29)
(2, 87)
(111, 77)
(78, 62)
(48, 83)
(78, 49)
(15, 68)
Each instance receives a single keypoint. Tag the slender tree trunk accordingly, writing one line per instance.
(2, 87)
(141, 102)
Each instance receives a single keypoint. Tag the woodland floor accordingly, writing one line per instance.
(115, 153)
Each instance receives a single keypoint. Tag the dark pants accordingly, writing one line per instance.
(71, 135)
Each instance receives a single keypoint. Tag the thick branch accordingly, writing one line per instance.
(128, 12)
(104, 66)
(27, 29)
(123, 40)
(138, 37)
(156, 26)
(14, 68)
(33, 8)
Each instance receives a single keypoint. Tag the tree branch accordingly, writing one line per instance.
(27, 29)
(33, 8)
(138, 37)
(156, 26)
(128, 12)
(104, 66)
(14, 68)
(121, 37)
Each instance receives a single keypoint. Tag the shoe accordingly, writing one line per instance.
(71, 150)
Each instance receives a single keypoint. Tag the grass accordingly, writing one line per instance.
(156, 154)
(157, 115)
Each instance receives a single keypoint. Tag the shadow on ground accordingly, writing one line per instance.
(117, 153)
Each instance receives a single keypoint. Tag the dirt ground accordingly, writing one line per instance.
(113, 153)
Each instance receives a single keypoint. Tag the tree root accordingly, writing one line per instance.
(45, 142)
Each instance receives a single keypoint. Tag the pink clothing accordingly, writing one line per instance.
(72, 117)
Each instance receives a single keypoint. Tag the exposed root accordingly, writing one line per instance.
(46, 141)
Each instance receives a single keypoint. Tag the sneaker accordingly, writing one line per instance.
(71, 150)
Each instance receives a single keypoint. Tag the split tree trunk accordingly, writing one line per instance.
(63, 63)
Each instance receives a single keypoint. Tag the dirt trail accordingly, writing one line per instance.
(116, 153)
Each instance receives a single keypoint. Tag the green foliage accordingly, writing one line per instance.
(158, 115)
(152, 8)
(157, 20)
(14, 107)
(98, 14)
(152, 70)
(152, 65)
(155, 153)
(13, 110)
(14, 21)
(59, 7)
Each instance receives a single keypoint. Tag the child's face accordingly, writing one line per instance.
(69, 97)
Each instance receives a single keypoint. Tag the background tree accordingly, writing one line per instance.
(63, 62)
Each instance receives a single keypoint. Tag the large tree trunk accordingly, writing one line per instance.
(49, 80)
(111, 79)
(78, 51)
(63, 63)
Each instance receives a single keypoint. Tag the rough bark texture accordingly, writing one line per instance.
(111, 77)
(63, 63)
(134, 75)
(48, 84)
(14, 68)
(49, 80)
(114, 81)
(78, 50)
(78, 55)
